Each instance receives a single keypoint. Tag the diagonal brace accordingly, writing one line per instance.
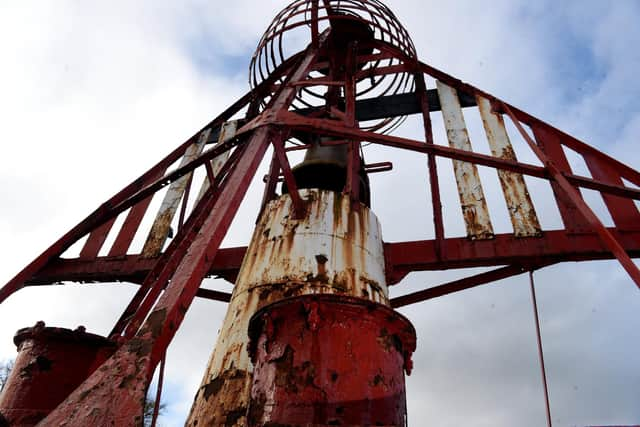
(607, 238)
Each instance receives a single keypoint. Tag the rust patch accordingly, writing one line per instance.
(521, 210)
(313, 318)
(158, 234)
(26, 371)
(377, 380)
(155, 321)
(390, 341)
(223, 400)
(472, 200)
(212, 388)
(161, 228)
(234, 416)
(255, 414)
(292, 290)
(263, 294)
(126, 381)
(138, 346)
(294, 378)
(341, 287)
(43, 363)
(278, 266)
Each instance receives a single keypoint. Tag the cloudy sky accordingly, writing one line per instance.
(94, 93)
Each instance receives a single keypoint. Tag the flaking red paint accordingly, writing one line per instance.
(333, 249)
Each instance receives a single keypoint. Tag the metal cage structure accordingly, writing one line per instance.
(354, 80)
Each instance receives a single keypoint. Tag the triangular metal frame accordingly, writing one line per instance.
(171, 279)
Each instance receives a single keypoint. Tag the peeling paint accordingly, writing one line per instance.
(344, 378)
(227, 131)
(162, 224)
(521, 210)
(472, 200)
(332, 250)
(50, 364)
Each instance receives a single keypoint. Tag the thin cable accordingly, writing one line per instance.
(540, 352)
(156, 404)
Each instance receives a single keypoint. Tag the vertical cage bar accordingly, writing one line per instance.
(521, 210)
(472, 200)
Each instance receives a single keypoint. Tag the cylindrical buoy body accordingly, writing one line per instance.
(326, 360)
(50, 364)
(333, 249)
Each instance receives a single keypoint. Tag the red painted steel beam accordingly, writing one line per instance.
(96, 239)
(352, 185)
(434, 181)
(457, 285)
(125, 198)
(106, 398)
(505, 249)
(131, 223)
(575, 144)
(379, 71)
(168, 262)
(289, 179)
(401, 257)
(105, 212)
(626, 172)
(271, 182)
(314, 23)
(623, 211)
(574, 195)
(332, 128)
(213, 295)
(129, 268)
(550, 144)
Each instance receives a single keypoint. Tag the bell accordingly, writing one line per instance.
(325, 167)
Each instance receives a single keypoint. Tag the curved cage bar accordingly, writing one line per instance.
(293, 28)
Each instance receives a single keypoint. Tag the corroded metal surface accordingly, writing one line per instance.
(329, 360)
(335, 248)
(285, 87)
(521, 211)
(227, 131)
(51, 362)
(472, 200)
(162, 224)
(332, 250)
(115, 393)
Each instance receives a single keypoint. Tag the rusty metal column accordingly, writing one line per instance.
(327, 360)
(331, 250)
(51, 363)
